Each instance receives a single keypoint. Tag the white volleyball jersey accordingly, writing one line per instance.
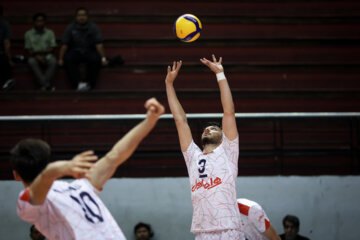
(254, 219)
(70, 211)
(212, 178)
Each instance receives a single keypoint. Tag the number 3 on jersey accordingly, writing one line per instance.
(202, 164)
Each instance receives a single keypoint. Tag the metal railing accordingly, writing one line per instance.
(169, 116)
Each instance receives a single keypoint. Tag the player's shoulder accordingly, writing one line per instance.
(252, 207)
(248, 202)
(60, 185)
(192, 147)
(230, 142)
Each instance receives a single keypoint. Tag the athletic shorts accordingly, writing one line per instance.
(231, 234)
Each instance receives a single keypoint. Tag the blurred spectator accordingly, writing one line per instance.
(5, 55)
(35, 234)
(291, 228)
(143, 231)
(40, 43)
(82, 43)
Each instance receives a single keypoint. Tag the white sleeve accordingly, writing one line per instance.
(190, 152)
(25, 209)
(258, 218)
(231, 149)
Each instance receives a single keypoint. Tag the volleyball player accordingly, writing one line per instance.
(213, 169)
(72, 210)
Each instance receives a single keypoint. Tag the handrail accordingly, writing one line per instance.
(169, 116)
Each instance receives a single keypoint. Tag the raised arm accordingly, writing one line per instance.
(123, 149)
(176, 109)
(78, 167)
(271, 233)
(228, 120)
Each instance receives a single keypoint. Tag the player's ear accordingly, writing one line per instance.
(17, 176)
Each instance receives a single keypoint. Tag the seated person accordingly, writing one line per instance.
(143, 231)
(82, 43)
(291, 228)
(5, 56)
(40, 43)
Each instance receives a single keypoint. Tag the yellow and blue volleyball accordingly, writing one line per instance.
(187, 28)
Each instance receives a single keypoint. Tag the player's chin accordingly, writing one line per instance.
(205, 140)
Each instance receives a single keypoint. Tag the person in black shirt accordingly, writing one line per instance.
(5, 56)
(143, 231)
(291, 228)
(82, 43)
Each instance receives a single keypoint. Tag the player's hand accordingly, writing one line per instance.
(173, 71)
(104, 62)
(154, 109)
(81, 164)
(215, 65)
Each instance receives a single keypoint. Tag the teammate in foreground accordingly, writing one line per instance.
(257, 225)
(63, 210)
(212, 170)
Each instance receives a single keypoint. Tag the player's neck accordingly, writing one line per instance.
(209, 147)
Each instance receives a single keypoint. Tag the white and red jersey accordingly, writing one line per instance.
(254, 219)
(70, 211)
(212, 178)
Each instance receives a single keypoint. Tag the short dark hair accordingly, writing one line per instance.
(81, 8)
(147, 226)
(29, 157)
(293, 219)
(40, 14)
(207, 124)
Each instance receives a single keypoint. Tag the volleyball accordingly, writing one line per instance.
(187, 28)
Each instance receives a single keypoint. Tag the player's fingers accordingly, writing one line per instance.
(220, 60)
(214, 58)
(84, 165)
(174, 65)
(157, 108)
(86, 153)
(79, 172)
(91, 158)
(204, 61)
(168, 69)
(179, 63)
(149, 102)
(152, 109)
(161, 109)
